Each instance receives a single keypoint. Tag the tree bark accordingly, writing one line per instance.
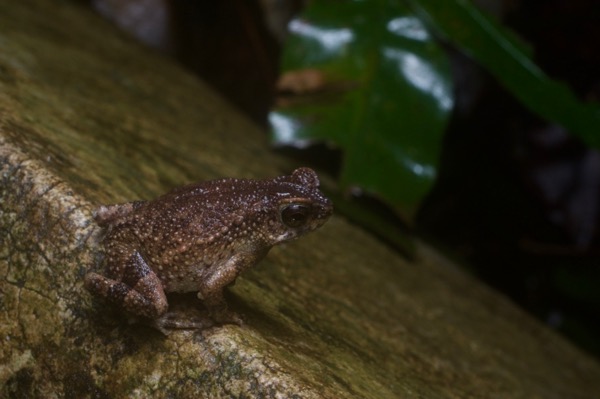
(88, 117)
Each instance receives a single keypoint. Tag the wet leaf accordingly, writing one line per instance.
(369, 78)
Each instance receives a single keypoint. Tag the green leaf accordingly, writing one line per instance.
(488, 43)
(384, 97)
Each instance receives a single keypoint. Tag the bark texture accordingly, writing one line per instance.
(88, 117)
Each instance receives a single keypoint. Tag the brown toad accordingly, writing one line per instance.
(200, 238)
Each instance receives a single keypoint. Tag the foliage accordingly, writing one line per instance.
(372, 78)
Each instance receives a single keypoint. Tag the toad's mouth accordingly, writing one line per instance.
(288, 235)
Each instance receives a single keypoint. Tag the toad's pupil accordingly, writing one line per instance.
(295, 215)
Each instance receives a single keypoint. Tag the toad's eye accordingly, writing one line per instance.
(295, 215)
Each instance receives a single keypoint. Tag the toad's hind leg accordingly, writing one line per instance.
(139, 290)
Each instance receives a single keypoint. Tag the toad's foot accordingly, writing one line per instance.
(180, 320)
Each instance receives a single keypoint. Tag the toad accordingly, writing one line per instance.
(199, 238)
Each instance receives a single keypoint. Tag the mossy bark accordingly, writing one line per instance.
(88, 117)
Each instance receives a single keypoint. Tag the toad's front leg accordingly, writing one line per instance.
(221, 276)
(136, 289)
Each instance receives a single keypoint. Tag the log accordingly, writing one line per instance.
(89, 117)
